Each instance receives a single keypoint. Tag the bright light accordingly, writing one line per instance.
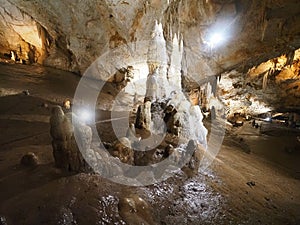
(268, 119)
(215, 39)
(219, 33)
(85, 115)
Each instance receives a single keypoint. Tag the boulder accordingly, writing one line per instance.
(29, 160)
(135, 210)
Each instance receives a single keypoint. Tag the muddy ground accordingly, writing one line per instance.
(253, 180)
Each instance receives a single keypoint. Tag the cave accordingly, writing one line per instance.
(149, 112)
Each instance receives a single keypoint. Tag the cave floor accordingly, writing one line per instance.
(238, 188)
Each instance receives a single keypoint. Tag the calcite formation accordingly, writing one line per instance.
(272, 85)
(71, 35)
(176, 34)
(65, 148)
(143, 118)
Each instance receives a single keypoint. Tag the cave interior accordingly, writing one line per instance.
(150, 112)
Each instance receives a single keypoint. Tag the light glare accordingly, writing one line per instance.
(268, 119)
(85, 115)
(215, 39)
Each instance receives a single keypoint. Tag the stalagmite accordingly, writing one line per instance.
(196, 153)
(143, 118)
(65, 149)
(13, 56)
(152, 85)
(214, 83)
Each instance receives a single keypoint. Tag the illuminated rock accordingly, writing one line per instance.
(152, 86)
(24, 35)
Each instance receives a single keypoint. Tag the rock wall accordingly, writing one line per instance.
(272, 85)
(70, 35)
(250, 32)
(21, 36)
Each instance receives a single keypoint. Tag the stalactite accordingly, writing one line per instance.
(265, 79)
(264, 27)
(290, 58)
(202, 8)
(208, 90)
(146, 4)
(214, 83)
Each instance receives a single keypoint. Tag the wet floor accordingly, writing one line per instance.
(42, 81)
(280, 146)
(238, 188)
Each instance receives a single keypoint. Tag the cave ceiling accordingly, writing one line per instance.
(70, 35)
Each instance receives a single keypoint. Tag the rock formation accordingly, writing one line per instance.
(195, 153)
(65, 149)
(29, 159)
(152, 86)
(272, 85)
(123, 150)
(72, 35)
(143, 118)
(135, 210)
